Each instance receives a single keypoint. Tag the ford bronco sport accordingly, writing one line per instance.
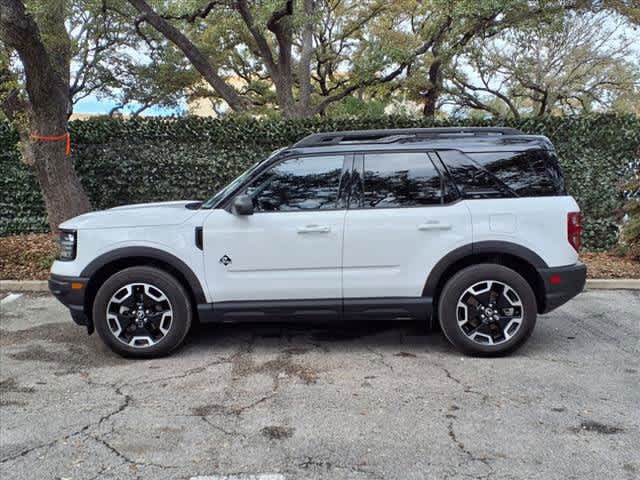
(468, 228)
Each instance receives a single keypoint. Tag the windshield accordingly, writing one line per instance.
(213, 201)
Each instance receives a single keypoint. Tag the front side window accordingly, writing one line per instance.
(400, 180)
(302, 183)
(230, 187)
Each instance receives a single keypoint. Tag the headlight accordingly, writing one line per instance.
(67, 245)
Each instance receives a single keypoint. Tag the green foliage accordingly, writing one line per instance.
(630, 238)
(142, 160)
(356, 107)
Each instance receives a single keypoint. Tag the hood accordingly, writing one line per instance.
(139, 215)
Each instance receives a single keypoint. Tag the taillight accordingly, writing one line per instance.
(574, 229)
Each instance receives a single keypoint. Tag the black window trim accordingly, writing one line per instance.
(357, 173)
(226, 203)
(447, 179)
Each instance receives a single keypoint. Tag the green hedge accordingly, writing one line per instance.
(141, 160)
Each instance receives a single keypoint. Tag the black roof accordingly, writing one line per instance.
(460, 138)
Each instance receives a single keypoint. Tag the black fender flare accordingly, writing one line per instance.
(150, 253)
(480, 248)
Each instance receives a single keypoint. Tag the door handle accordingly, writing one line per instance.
(314, 229)
(434, 225)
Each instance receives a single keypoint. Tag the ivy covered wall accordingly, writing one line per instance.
(129, 161)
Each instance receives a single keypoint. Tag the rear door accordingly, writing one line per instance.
(402, 220)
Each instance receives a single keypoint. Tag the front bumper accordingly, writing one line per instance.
(561, 284)
(71, 292)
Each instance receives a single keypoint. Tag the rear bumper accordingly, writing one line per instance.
(561, 284)
(71, 292)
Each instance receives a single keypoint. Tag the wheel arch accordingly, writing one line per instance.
(520, 259)
(107, 264)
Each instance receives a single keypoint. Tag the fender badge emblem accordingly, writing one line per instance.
(225, 260)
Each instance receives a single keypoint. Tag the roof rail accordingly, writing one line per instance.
(396, 134)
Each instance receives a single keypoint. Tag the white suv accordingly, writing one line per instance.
(470, 228)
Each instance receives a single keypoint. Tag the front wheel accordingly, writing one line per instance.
(142, 312)
(487, 309)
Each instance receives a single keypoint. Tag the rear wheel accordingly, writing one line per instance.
(487, 309)
(142, 312)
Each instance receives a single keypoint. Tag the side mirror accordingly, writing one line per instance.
(242, 205)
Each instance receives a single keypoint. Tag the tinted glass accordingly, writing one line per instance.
(471, 180)
(394, 180)
(554, 173)
(305, 183)
(528, 174)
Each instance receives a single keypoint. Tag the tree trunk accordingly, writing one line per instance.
(62, 191)
(47, 84)
(304, 66)
(63, 194)
(430, 102)
(434, 90)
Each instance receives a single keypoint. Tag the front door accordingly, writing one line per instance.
(290, 248)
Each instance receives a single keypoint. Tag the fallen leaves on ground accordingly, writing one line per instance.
(609, 265)
(29, 257)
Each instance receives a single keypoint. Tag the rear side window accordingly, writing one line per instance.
(400, 180)
(533, 173)
(498, 174)
(472, 181)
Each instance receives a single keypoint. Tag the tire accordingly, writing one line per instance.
(127, 291)
(459, 302)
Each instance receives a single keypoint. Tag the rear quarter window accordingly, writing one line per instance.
(532, 173)
(471, 180)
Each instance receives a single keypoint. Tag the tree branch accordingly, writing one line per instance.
(202, 12)
(258, 37)
(197, 58)
(389, 76)
(13, 104)
(44, 85)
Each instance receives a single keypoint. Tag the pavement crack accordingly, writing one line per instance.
(26, 452)
(124, 405)
(85, 428)
(240, 410)
(465, 388)
(185, 374)
(125, 458)
(381, 360)
(468, 453)
(222, 430)
(102, 470)
(311, 462)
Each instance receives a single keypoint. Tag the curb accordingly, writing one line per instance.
(24, 285)
(592, 284)
(613, 284)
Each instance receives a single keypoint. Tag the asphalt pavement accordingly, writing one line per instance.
(362, 401)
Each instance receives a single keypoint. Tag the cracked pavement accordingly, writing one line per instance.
(378, 401)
